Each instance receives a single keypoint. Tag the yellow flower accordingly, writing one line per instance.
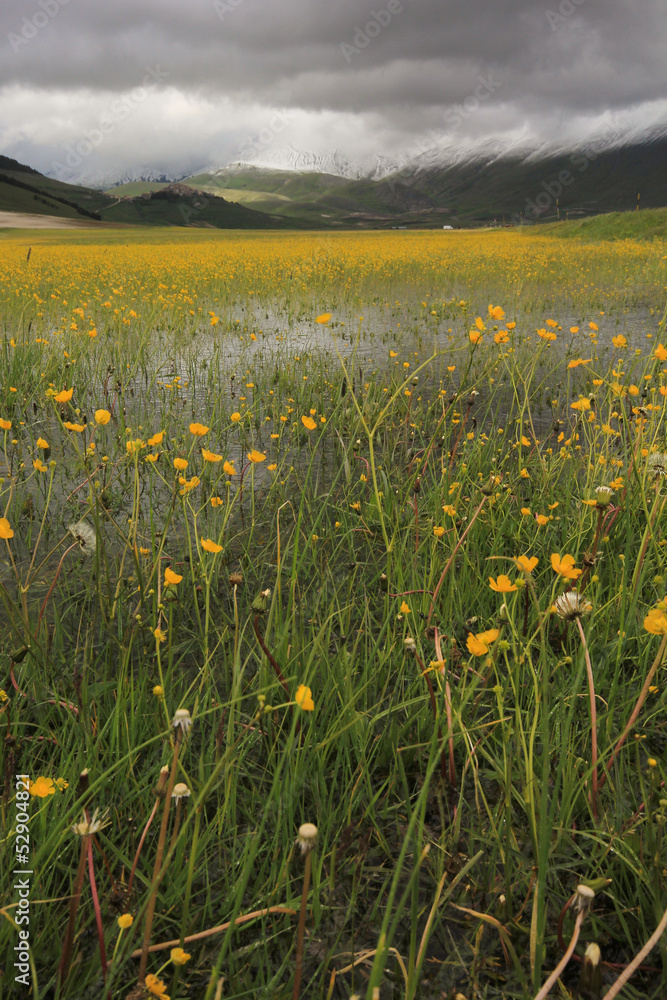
(308, 423)
(526, 564)
(41, 443)
(438, 532)
(475, 336)
(541, 519)
(405, 609)
(79, 428)
(210, 456)
(198, 430)
(210, 546)
(39, 465)
(393, 354)
(479, 323)
(525, 511)
(565, 566)
(323, 318)
(102, 417)
(581, 404)
(304, 698)
(479, 644)
(525, 441)
(660, 353)
(156, 986)
(503, 585)
(496, 312)
(188, 484)
(181, 464)
(62, 784)
(216, 502)
(235, 417)
(157, 439)
(179, 956)
(64, 396)
(578, 361)
(620, 341)
(448, 509)
(228, 467)
(5, 530)
(256, 456)
(42, 787)
(272, 467)
(160, 637)
(170, 577)
(158, 690)
(125, 920)
(593, 326)
(656, 622)
(5, 424)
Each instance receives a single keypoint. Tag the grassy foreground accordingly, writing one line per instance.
(300, 529)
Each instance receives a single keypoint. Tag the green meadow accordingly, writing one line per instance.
(362, 531)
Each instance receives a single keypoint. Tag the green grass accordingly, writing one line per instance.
(486, 806)
(647, 224)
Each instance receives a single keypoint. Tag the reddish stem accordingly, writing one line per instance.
(141, 844)
(96, 907)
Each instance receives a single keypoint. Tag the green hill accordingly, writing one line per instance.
(647, 224)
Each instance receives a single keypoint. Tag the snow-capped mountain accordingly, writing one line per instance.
(439, 149)
(293, 160)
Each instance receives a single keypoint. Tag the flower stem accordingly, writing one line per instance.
(150, 909)
(301, 930)
(555, 975)
(594, 726)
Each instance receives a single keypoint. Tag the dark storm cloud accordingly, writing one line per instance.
(398, 65)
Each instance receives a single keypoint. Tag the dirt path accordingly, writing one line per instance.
(23, 220)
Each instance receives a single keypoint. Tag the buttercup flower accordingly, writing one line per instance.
(503, 585)
(5, 530)
(125, 920)
(209, 545)
(41, 787)
(304, 698)
(179, 956)
(171, 578)
(565, 566)
(199, 430)
(656, 622)
(526, 564)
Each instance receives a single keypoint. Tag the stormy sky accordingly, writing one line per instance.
(177, 85)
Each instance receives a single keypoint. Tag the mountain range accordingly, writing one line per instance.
(510, 181)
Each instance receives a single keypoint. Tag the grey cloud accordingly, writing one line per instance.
(603, 56)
